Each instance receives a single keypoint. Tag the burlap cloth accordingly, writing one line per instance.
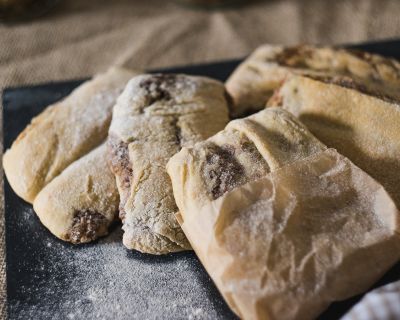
(79, 38)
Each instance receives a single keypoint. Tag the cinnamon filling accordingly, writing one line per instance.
(87, 226)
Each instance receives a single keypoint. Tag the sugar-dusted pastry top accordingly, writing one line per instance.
(361, 123)
(254, 81)
(283, 225)
(154, 117)
(63, 133)
(80, 204)
(246, 150)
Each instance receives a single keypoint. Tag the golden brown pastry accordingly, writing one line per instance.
(362, 124)
(63, 133)
(154, 117)
(283, 225)
(246, 150)
(80, 204)
(254, 81)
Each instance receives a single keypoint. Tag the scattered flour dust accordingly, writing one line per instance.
(106, 281)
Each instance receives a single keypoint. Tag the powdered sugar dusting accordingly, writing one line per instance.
(106, 281)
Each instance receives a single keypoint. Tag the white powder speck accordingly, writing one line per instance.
(106, 281)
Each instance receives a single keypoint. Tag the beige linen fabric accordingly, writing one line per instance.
(80, 38)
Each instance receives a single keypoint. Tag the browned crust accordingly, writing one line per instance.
(349, 83)
(294, 57)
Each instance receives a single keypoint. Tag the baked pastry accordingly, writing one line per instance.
(362, 124)
(80, 204)
(246, 150)
(63, 133)
(283, 225)
(154, 117)
(254, 81)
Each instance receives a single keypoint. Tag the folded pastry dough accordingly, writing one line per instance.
(79, 204)
(283, 225)
(246, 150)
(154, 117)
(254, 81)
(361, 123)
(63, 133)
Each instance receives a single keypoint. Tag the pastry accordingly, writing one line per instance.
(154, 117)
(80, 204)
(246, 150)
(254, 81)
(362, 124)
(283, 225)
(63, 133)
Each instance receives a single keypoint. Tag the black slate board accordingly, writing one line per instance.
(49, 279)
